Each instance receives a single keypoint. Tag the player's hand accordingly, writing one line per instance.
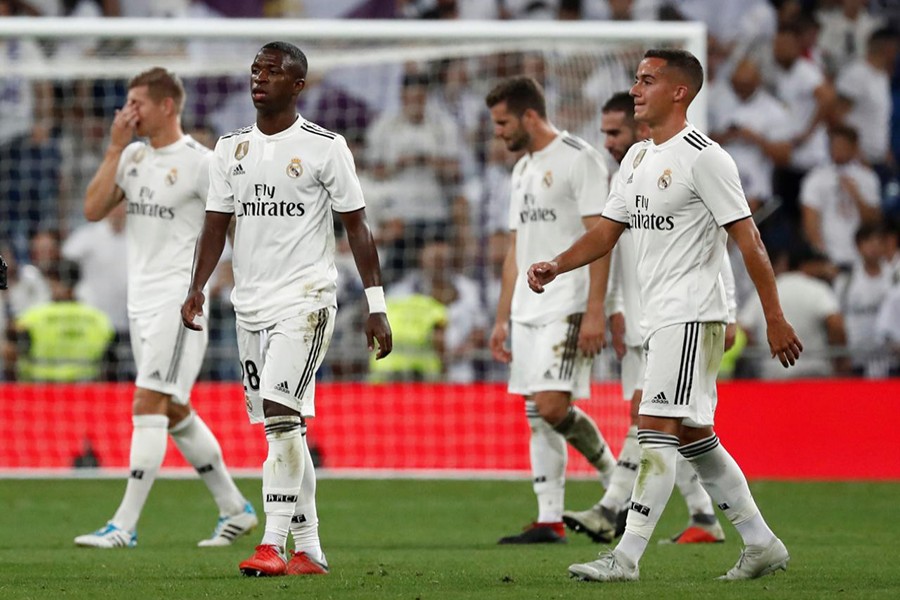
(730, 335)
(497, 343)
(617, 330)
(192, 307)
(540, 274)
(123, 126)
(592, 334)
(783, 342)
(378, 329)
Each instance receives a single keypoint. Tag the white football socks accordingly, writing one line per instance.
(549, 456)
(305, 522)
(148, 449)
(688, 482)
(582, 432)
(726, 484)
(282, 475)
(200, 447)
(622, 481)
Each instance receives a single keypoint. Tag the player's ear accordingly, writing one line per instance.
(681, 93)
(299, 84)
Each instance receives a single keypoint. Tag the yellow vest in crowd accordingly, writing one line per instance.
(68, 341)
(413, 321)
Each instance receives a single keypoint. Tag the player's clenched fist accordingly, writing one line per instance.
(192, 307)
(540, 274)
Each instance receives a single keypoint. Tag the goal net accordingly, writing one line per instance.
(409, 99)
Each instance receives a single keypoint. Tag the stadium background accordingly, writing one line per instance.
(457, 419)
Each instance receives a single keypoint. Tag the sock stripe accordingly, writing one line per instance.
(316, 347)
(700, 447)
(656, 438)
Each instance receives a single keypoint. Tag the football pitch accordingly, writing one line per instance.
(432, 539)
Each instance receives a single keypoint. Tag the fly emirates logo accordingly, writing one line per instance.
(265, 204)
(648, 220)
(531, 212)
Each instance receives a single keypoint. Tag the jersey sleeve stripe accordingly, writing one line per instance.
(693, 143)
(572, 143)
(318, 131)
(236, 132)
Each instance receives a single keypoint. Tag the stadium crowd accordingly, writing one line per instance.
(800, 93)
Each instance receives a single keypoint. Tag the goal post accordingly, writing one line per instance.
(61, 81)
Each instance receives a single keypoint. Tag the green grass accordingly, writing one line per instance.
(430, 540)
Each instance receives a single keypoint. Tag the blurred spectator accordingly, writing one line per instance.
(45, 250)
(892, 248)
(861, 293)
(752, 126)
(845, 33)
(27, 285)
(100, 250)
(466, 318)
(812, 307)
(347, 358)
(453, 94)
(839, 196)
(864, 87)
(420, 157)
(63, 340)
(614, 10)
(417, 323)
(809, 99)
(887, 327)
(29, 160)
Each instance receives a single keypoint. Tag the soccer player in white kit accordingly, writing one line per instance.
(605, 519)
(163, 180)
(281, 179)
(681, 195)
(558, 190)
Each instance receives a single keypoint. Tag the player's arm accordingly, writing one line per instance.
(783, 341)
(500, 332)
(592, 335)
(102, 193)
(362, 245)
(206, 256)
(596, 243)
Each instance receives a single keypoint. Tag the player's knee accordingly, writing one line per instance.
(177, 412)
(275, 409)
(636, 406)
(149, 402)
(553, 413)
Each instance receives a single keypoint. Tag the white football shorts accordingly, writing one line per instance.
(168, 355)
(633, 366)
(279, 363)
(682, 365)
(545, 358)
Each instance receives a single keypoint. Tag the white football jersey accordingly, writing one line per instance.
(282, 189)
(676, 197)
(552, 190)
(165, 192)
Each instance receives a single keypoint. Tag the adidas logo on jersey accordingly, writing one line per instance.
(660, 398)
(239, 170)
(154, 375)
(283, 388)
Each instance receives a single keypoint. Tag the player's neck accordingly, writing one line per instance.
(166, 137)
(542, 137)
(270, 124)
(665, 131)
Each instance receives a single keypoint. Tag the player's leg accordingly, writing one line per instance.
(763, 553)
(148, 437)
(605, 520)
(308, 557)
(532, 356)
(672, 391)
(291, 352)
(197, 443)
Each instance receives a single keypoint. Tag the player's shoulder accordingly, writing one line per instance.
(236, 133)
(195, 147)
(308, 128)
(135, 151)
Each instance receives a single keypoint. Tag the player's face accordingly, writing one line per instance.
(653, 91)
(151, 115)
(273, 83)
(620, 134)
(508, 128)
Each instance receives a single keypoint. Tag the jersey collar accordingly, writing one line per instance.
(281, 134)
(549, 147)
(672, 140)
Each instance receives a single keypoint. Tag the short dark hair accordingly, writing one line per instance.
(867, 231)
(297, 58)
(620, 102)
(161, 84)
(845, 131)
(67, 272)
(682, 61)
(882, 36)
(520, 94)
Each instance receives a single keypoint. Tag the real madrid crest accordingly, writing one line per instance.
(547, 179)
(295, 169)
(172, 176)
(639, 158)
(665, 180)
(242, 149)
